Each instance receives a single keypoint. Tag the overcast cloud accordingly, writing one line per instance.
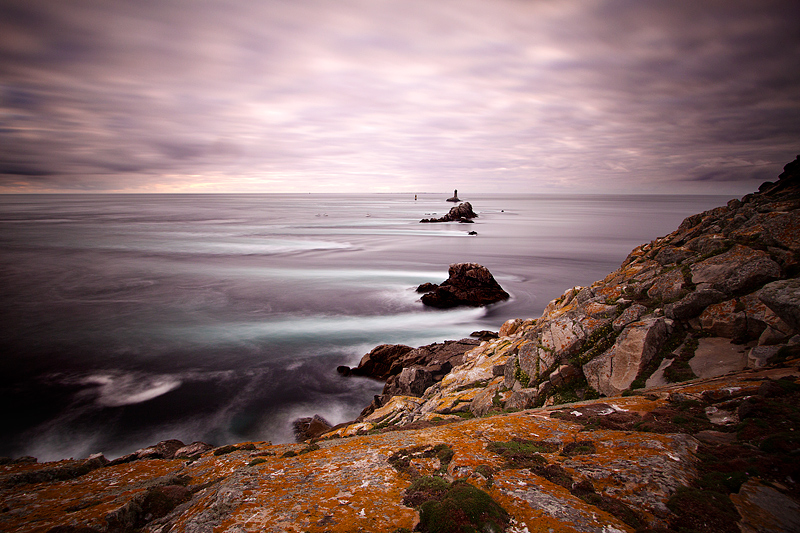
(397, 95)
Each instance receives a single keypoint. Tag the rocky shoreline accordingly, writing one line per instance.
(664, 397)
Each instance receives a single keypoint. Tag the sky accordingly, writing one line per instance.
(511, 96)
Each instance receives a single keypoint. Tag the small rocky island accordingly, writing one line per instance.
(468, 284)
(459, 213)
(663, 398)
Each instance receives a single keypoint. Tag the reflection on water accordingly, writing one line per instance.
(130, 319)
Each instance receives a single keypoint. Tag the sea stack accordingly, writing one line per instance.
(455, 196)
(469, 284)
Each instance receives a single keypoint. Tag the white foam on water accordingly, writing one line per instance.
(427, 322)
(116, 390)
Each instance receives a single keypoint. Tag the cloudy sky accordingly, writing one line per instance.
(699, 96)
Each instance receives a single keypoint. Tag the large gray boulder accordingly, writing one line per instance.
(613, 371)
(783, 297)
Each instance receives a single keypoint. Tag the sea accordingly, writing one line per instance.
(130, 319)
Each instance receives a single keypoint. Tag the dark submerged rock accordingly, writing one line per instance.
(469, 284)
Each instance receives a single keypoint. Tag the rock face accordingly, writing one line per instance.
(468, 284)
(459, 213)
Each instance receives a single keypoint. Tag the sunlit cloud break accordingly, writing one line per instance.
(366, 96)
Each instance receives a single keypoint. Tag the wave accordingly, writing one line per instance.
(116, 390)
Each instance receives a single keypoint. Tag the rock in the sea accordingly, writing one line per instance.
(310, 428)
(427, 287)
(455, 197)
(783, 297)
(459, 213)
(468, 284)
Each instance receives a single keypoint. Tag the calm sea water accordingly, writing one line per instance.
(129, 319)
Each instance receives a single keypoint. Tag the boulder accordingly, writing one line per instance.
(783, 297)
(163, 450)
(195, 448)
(668, 286)
(484, 402)
(468, 284)
(534, 359)
(613, 371)
(708, 244)
(739, 269)
(310, 428)
(693, 304)
(459, 213)
(484, 335)
(742, 319)
(670, 255)
(413, 381)
(521, 399)
(630, 314)
(765, 509)
(564, 374)
(510, 327)
(759, 356)
(378, 362)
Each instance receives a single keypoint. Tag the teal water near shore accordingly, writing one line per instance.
(129, 319)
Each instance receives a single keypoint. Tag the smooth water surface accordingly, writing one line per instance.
(129, 319)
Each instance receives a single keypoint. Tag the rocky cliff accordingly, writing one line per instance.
(661, 398)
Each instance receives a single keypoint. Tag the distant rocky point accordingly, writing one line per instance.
(468, 284)
(454, 198)
(459, 213)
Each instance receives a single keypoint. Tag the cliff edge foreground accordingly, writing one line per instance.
(664, 397)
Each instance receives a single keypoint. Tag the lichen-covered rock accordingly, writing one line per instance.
(739, 269)
(667, 287)
(630, 314)
(743, 319)
(510, 327)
